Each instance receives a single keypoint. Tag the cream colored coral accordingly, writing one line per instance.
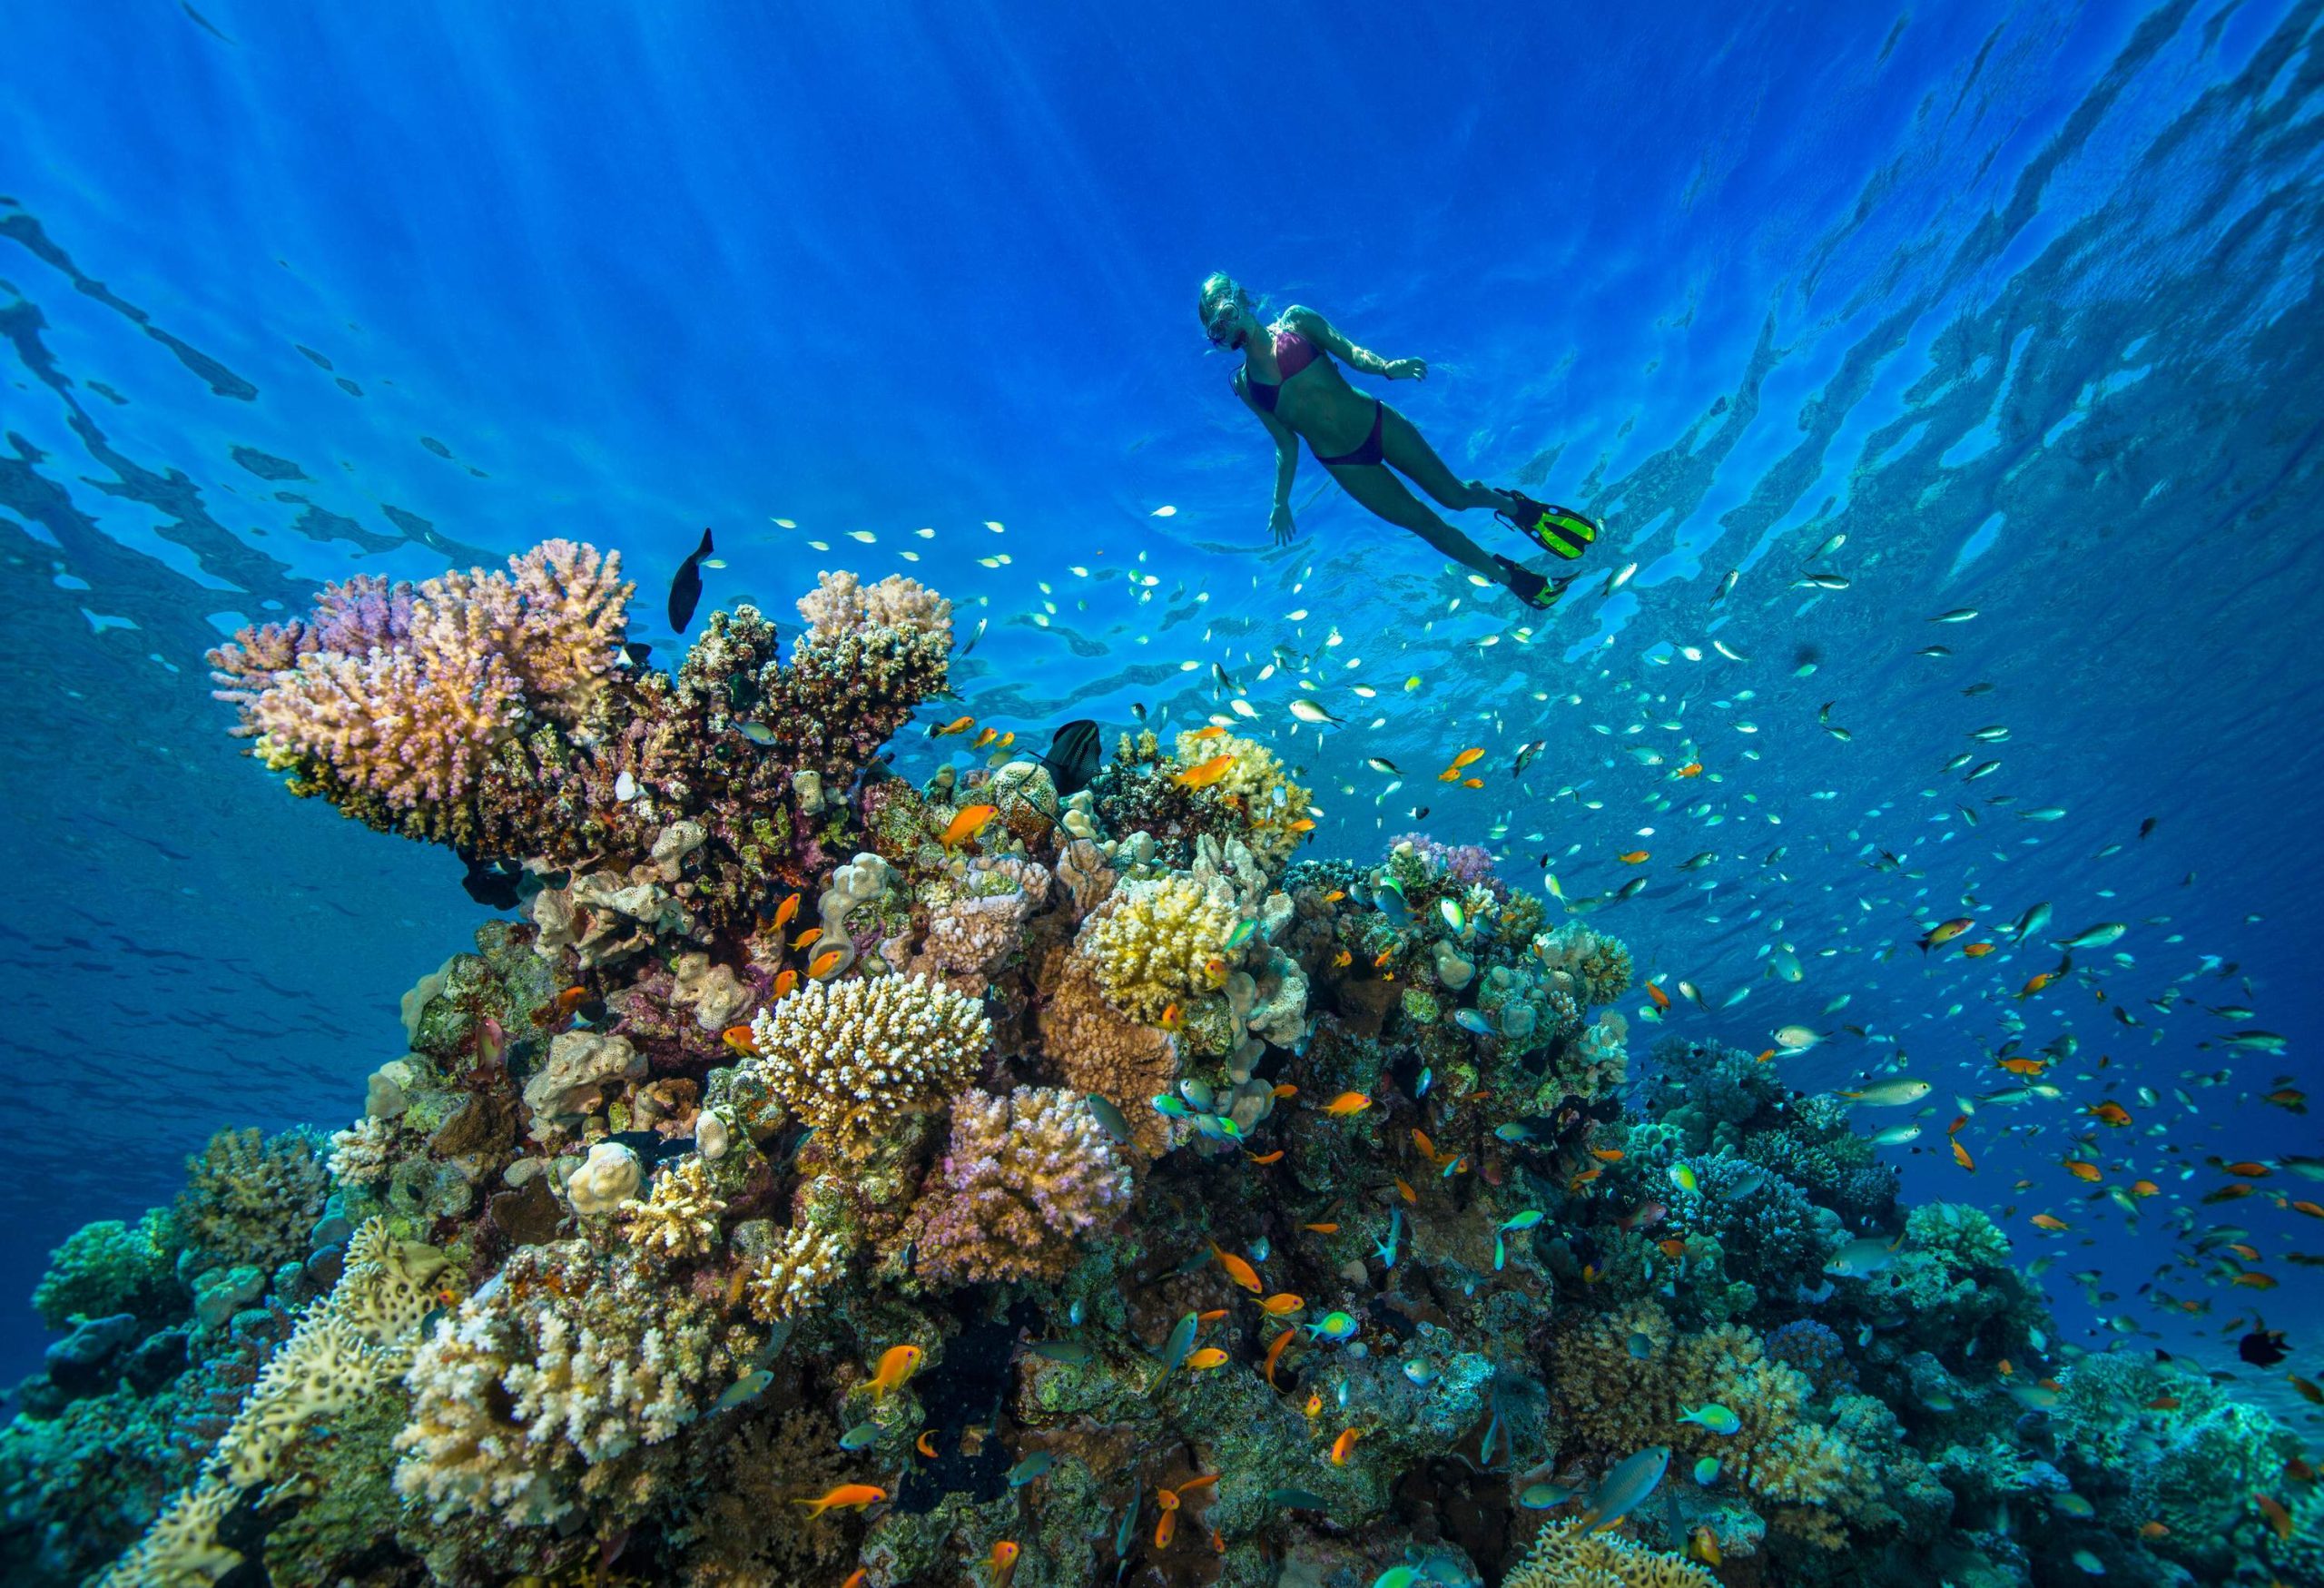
(1565, 1555)
(840, 603)
(361, 1154)
(1159, 941)
(680, 1220)
(181, 1550)
(807, 1263)
(1272, 805)
(847, 1056)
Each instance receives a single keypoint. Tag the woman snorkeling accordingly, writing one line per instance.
(1289, 379)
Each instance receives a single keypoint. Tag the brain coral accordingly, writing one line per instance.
(1566, 1556)
(1024, 1176)
(846, 1056)
(1160, 941)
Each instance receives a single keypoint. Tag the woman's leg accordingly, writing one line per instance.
(1372, 485)
(1408, 452)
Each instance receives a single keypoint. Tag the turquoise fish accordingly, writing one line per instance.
(1717, 1418)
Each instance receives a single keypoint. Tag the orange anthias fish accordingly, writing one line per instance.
(2277, 1517)
(1208, 1357)
(1275, 1354)
(1607, 1154)
(1672, 1246)
(2251, 1171)
(2145, 1189)
(2023, 1066)
(1210, 1317)
(1213, 732)
(1976, 950)
(926, 1443)
(808, 938)
(959, 725)
(986, 737)
(846, 1497)
(1264, 1159)
(1204, 773)
(1423, 1145)
(2255, 1281)
(2081, 1171)
(1003, 1562)
(1635, 857)
(785, 910)
(1945, 932)
(1335, 895)
(2154, 1530)
(2050, 1221)
(1692, 769)
(1341, 959)
(2314, 1210)
(1284, 1089)
(1473, 783)
(1281, 1303)
(571, 998)
(1405, 1189)
(897, 1364)
(826, 964)
(1241, 1272)
(1474, 752)
(963, 826)
(2035, 984)
(2288, 1096)
(1960, 1155)
(739, 1039)
(2114, 1114)
(1449, 774)
(786, 984)
(1661, 999)
(1321, 1229)
(1344, 1445)
(1346, 1103)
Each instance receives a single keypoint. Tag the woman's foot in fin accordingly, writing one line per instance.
(1560, 531)
(1536, 590)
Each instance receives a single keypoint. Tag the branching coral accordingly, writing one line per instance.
(805, 1266)
(1568, 1554)
(680, 1220)
(109, 1267)
(1159, 942)
(847, 1056)
(251, 1198)
(1026, 1176)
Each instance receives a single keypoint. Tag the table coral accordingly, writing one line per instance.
(1024, 1181)
(847, 1057)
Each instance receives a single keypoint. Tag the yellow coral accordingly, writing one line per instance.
(181, 1550)
(807, 1262)
(1160, 941)
(847, 1056)
(680, 1220)
(1566, 1556)
(1273, 807)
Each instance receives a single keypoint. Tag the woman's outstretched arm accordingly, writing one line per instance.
(1286, 465)
(1318, 329)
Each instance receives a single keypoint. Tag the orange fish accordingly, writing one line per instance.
(824, 963)
(1449, 774)
(2081, 1171)
(1473, 783)
(1954, 1127)
(1002, 1561)
(1200, 1480)
(1275, 1354)
(571, 998)
(1673, 1247)
(2154, 1530)
(2006, 1368)
(897, 1364)
(2036, 983)
(1172, 1017)
(1344, 1445)
(1166, 1526)
(2025, 1066)
(2162, 1403)
(1346, 1103)
(2050, 1221)
(785, 910)
(2255, 1281)
(1585, 1177)
(2277, 1517)
(1335, 895)
(1305, 825)
(1469, 756)
(857, 1578)
(926, 1444)
(1314, 1406)
(963, 826)
(846, 1497)
(986, 737)
(1211, 1316)
(1423, 1145)
(1692, 769)
(1204, 773)
(1976, 950)
(739, 1039)
(2307, 1392)
(1662, 999)
(1405, 1191)
(2288, 1097)
(1960, 1155)
(2251, 1171)
(1341, 959)
(2249, 1254)
(1281, 1303)
(1241, 1272)
(2145, 1189)
(1382, 957)
(2312, 1209)
(1266, 1157)
(1634, 857)
(959, 725)
(1945, 932)
(2114, 1114)
(786, 984)
(1607, 1154)
(807, 938)
(1208, 1357)
(1321, 1229)
(1213, 732)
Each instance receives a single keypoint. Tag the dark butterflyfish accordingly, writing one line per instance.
(2262, 1347)
(633, 655)
(1072, 758)
(685, 589)
(492, 883)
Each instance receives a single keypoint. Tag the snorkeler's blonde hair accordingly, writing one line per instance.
(1218, 290)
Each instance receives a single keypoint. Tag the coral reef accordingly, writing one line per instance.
(820, 1172)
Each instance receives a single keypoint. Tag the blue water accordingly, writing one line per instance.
(2021, 299)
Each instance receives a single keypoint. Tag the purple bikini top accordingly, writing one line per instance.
(1292, 353)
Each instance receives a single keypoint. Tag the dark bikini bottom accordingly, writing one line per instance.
(1370, 451)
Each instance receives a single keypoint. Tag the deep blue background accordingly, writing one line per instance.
(2023, 300)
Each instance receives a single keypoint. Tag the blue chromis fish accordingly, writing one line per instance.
(1717, 1418)
(1174, 1352)
(1525, 1220)
(1544, 1497)
(1297, 1500)
(1172, 1107)
(1707, 1471)
(745, 1389)
(1032, 1467)
(1641, 1345)
(1334, 1326)
(1072, 1353)
(1626, 1488)
(1474, 1022)
(861, 1436)
(1109, 1118)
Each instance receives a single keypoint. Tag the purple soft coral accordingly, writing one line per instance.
(1463, 862)
(1024, 1178)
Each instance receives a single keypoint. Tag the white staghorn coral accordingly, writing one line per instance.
(847, 1056)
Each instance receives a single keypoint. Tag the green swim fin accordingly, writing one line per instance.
(1561, 531)
(1534, 589)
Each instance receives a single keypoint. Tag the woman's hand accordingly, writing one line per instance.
(1408, 370)
(1279, 525)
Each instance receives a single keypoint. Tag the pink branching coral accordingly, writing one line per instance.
(1024, 1177)
(400, 692)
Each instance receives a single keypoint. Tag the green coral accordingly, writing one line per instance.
(109, 1267)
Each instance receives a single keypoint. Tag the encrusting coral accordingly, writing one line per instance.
(814, 1173)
